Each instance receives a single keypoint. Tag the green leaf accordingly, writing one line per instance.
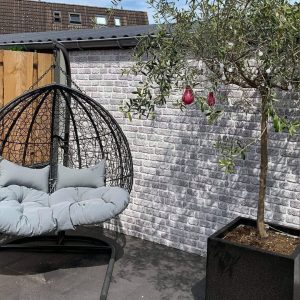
(293, 128)
(228, 165)
(277, 124)
(129, 116)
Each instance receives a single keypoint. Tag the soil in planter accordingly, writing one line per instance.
(277, 242)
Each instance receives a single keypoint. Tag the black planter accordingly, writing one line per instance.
(239, 272)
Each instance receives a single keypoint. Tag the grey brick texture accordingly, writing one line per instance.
(180, 195)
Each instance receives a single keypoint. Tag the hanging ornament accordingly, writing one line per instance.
(211, 101)
(188, 96)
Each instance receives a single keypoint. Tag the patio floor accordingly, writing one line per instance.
(143, 271)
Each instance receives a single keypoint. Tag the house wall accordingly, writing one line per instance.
(180, 194)
(34, 16)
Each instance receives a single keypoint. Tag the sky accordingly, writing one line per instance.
(126, 4)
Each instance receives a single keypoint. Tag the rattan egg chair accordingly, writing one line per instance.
(57, 125)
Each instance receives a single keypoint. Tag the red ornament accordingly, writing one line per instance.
(211, 100)
(188, 96)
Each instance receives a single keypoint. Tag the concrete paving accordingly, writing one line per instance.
(143, 271)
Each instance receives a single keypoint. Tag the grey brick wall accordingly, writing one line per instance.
(180, 195)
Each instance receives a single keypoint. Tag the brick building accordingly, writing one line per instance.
(36, 16)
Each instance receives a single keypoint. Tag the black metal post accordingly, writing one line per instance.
(67, 120)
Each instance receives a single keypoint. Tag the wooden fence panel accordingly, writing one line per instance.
(18, 73)
(1, 80)
(20, 70)
(44, 62)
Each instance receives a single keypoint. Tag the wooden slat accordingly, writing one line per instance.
(18, 77)
(18, 73)
(35, 69)
(1, 79)
(20, 70)
(44, 62)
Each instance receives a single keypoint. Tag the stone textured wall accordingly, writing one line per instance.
(180, 194)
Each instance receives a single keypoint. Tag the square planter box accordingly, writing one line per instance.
(240, 272)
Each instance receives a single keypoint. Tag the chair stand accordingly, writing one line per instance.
(63, 243)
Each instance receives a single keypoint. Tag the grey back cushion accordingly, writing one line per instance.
(13, 174)
(93, 177)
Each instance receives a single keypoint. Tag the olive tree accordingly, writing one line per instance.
(248, 43)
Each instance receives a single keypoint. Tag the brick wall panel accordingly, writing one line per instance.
(180, 196)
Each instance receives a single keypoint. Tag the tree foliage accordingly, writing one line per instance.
(253, 44)
(249, 43)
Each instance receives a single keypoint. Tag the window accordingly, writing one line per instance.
(75, 18)
(57, 16)
(117, 21)
(101, 20)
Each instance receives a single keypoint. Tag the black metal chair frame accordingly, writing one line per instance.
(56, 124)
(79, 244)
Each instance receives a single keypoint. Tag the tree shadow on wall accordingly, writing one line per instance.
(201, 190)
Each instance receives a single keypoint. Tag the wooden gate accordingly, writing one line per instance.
(20, 70)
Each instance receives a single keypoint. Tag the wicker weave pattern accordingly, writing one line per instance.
(56, 124)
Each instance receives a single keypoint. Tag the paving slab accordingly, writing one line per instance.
(143, 271)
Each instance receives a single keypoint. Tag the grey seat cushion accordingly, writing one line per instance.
(28, 212)
(25, 211)
(79, 206)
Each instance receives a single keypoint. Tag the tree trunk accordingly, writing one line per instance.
(263, 167)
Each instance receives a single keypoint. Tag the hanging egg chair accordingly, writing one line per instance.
(58, 125)
(65, 162)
